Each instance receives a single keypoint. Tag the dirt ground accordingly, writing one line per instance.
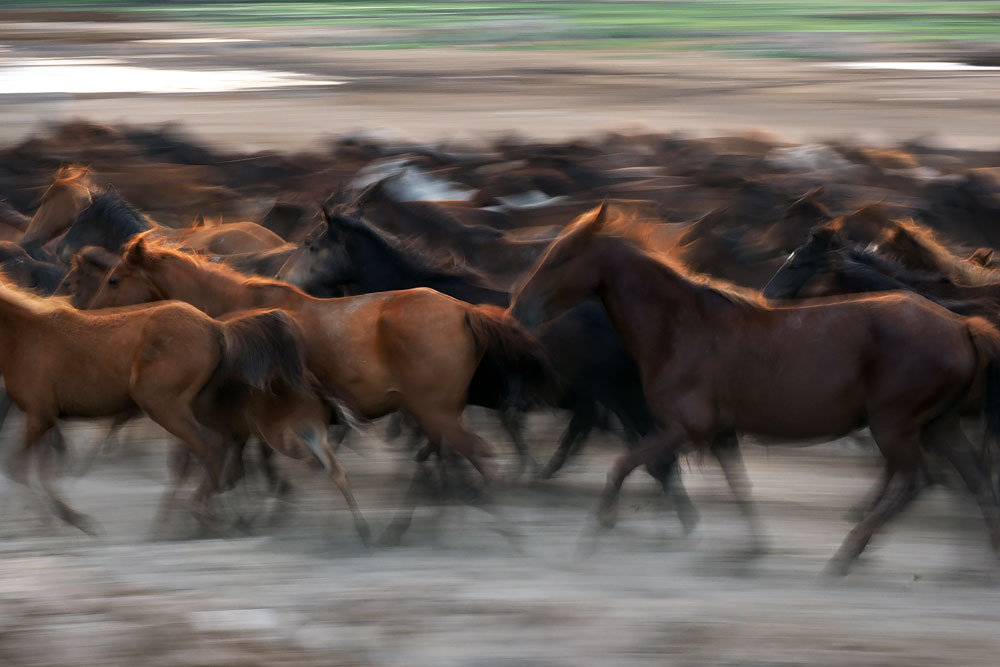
(299, 589)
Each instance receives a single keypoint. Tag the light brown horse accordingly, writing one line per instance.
(410, 350)
(224, 238)
(714, 362)
(67, 196)
(59, 362)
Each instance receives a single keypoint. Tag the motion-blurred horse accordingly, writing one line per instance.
(713, 361)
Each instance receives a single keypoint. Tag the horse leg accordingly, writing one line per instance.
(401, 521)
(322, 451)
(949, 439)
(665, 472)
(276, 483)
(179, 464)
(860, 510)
(446, 430)
(577, 430)
(5, 404)
(103, 446)
(904, 485)
(726, 449)
(513, 422)
(36, 427)
(654, 444)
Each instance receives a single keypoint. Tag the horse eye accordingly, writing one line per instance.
(114, 282)
(312, 248)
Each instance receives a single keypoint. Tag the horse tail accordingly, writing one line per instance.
(263, 350)
(514, 363)
(986, 342)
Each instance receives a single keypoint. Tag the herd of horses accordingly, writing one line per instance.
(279, 330)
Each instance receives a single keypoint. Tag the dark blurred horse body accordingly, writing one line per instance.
(713, 362)
(594, 368)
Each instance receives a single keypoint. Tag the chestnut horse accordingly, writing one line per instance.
(60, 362)
(410, 350)
(713, 362)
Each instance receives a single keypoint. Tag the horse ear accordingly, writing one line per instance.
(332, 222)
(137, 254)
(600, 220)
(199, 221)
(111, 188)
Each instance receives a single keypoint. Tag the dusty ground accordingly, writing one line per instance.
(303, 591)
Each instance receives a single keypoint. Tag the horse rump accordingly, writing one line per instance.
(515, 369)
(262, 350)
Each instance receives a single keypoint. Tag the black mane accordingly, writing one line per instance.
(394, 264)
(116, 220)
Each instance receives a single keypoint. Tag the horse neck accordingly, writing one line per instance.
(649, 304)
(379, 268)
(213, 293)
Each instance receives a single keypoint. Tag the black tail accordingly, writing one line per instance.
(515, 370)
(262, 350)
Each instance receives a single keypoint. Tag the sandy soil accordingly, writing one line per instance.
(302, 590)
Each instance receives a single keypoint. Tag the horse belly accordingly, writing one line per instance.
(814, 404)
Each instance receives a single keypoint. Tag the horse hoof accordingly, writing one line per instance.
(84, 524)
(392, 536)
(837, 567)
(689, 521)
(365, 533)
(607, 514)
(546, 473)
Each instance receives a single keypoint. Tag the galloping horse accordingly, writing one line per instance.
(595, 370)
(411, 350)
(713, 362)
(60, 362)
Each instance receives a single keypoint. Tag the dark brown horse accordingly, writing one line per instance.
(59, 362)
(714, 362)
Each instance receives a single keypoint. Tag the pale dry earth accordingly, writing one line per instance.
(299, 589)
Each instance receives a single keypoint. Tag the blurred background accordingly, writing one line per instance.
(520, 116)
(877, 70)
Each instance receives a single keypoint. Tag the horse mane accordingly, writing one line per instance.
(411, 254)
(123, 219)
(639, 232)
(939, 254)
(159, 249)
(28, 301)
(890, 266)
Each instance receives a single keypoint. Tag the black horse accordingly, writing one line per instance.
(596, 372)
(107, 222)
